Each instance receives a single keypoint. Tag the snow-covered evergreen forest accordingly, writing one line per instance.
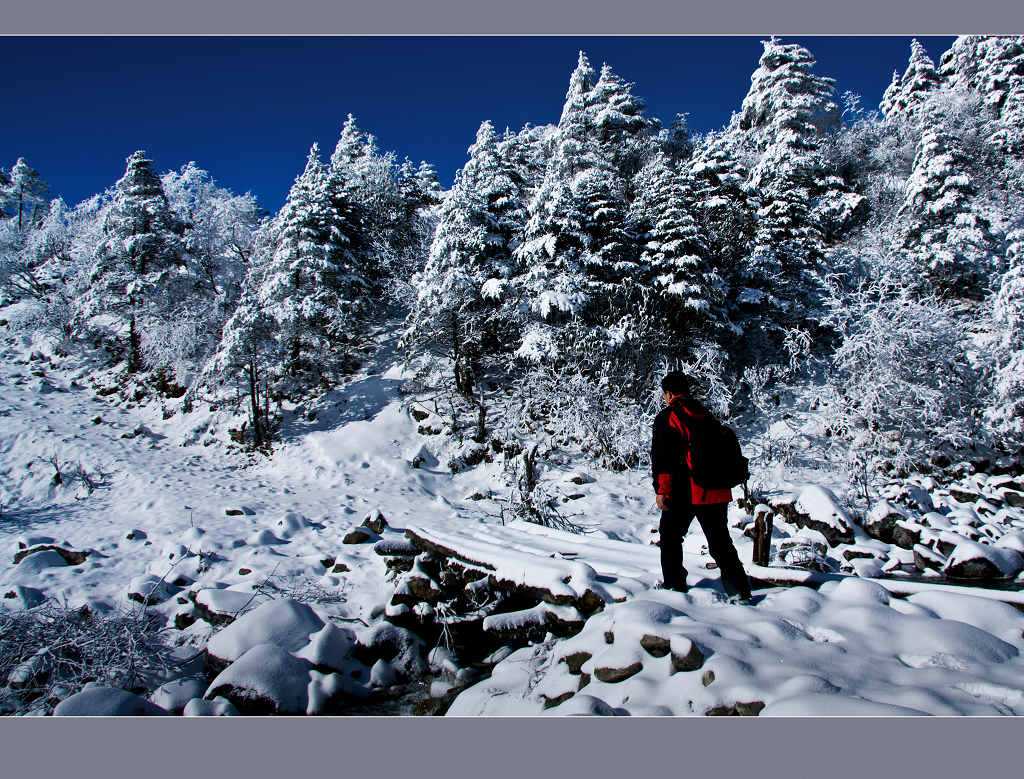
(843, 284)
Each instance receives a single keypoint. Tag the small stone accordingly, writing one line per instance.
(707, 678)
(357, 536)
(375, 523)
(575, 661)
(656, 646)
(686, 655)
(340, 568)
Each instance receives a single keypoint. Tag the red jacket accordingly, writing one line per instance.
(670, 455)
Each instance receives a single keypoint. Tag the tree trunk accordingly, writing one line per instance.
(257, 425)
(134, 345)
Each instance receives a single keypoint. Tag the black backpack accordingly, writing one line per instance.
(716, 461)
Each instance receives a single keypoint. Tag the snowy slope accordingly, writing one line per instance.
(198, 529)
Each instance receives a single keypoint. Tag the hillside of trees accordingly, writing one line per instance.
(870, 262)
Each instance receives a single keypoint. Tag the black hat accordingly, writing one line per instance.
(675, 383)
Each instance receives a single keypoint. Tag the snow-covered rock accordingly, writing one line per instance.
(218, 707)
(825, 514)
(149, 590)
(106, 702)
(331, 647)
(971, 560)
(22, 597)
(881, 519)
(284, 623)
(266, 679)
(174, 695)
(40, 561)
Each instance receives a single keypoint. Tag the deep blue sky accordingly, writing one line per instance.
(248, 108)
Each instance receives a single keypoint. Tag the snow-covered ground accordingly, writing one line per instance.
(206, 534)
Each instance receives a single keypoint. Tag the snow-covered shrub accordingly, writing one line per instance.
(50, 652)
(901, 388)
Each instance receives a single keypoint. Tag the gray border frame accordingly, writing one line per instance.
(507, 747)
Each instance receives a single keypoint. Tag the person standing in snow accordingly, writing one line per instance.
(681, 499)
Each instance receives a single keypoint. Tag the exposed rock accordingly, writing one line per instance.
(963, 496)
(575, 661)
(376, 523)
(358, 536)
(805, 553)
(69, 556)
(686, 655)
(395, 547)
(403, 649)
(266, 679)
(656, 646)
(927, 559)
(106, 702)
(612, 675)
(552, 702)
(220, 606)
(136, 535)
(740, 709)
(906, 534)
(1013, 498)
(707, 677)
(881, 521)
(41, 560)
(580, 477)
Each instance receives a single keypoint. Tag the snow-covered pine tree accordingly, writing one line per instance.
(27, 193)
(6, 196)
(616, 114)
(676, 140)
(577, 250)
(554, 284)
(135, 269)
(675, 255)
(947, 240)
(784, 116)
(464, 306)
(1006, 412)
(388, 202)
(312, 286)
(724, 205)
(303, 300)
(906, 96)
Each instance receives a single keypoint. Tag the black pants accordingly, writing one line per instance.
(675, 521)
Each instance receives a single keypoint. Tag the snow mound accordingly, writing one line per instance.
(174, 695)
(106, 702)
(284, 623)
(266, 679)
(331, 647)
(218, 707)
